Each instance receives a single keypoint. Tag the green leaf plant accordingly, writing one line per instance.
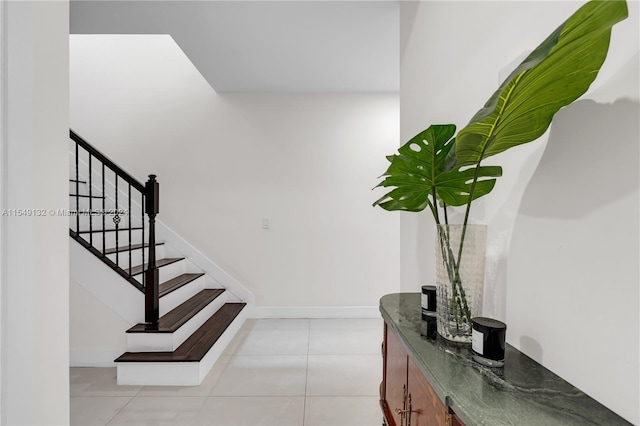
(435, 169)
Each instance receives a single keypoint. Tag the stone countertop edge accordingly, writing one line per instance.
(521, 393)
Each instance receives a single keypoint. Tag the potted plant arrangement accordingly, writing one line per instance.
(441, 170)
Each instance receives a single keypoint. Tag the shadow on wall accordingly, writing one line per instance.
(590, 160)
(531, 347)
(593, 149)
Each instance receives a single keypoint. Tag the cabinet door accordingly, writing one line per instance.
(395, 377)
(455, 420)
(426, 407)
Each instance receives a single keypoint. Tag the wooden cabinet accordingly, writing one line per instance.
(426, 408)
(394, 383)
(406, 397)
(425, 379)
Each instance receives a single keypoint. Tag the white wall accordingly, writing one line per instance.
(35, 277)
(88, 314)
(565, 260)
(307, 162)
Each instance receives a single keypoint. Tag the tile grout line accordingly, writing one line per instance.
(119, 411)
(137, 394)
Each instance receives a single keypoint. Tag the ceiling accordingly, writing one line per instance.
(266, 46)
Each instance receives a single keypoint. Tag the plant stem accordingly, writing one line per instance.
(434, 206)
(459, 306)
(468, 209)
(457, 280)
(446, 216)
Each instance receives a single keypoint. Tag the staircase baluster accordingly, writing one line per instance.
(77, 191)
(152, 302)
(129, 214)
(142, 204)
(90, 205)
(104, 200)
(117, 222)
(118, 174)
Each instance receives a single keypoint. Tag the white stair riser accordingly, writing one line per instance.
(178, 373)
(136, 256)
(158, 373)
(176, 297)
(167, 272)
(208, 282)
(169, 342)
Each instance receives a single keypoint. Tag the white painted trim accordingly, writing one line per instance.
(314, 312)
(3, 170)
(166, 234)
(93, 357)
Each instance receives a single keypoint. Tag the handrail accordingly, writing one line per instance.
(107, 162)
(148, 195)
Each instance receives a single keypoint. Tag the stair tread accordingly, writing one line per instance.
(178, 316)
(159, 263)
(76, 180)
(197, 345)
(126, 248)
(86, 231)
(177, 282)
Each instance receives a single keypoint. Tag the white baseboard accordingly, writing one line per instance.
(314, 312)
(93, 357)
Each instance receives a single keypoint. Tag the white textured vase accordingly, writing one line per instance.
(459, 278)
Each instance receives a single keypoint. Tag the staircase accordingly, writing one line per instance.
(182, 318)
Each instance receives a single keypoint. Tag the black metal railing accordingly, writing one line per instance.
(111, 222)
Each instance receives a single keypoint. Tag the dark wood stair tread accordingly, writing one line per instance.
(195, 347)
(76, 180)
(178, 316)
(159, 263)
(86, 231)
(175, 283)
(126, 248)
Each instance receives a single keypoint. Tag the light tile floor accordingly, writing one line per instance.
(276, 372)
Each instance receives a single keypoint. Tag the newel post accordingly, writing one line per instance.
(151, 278)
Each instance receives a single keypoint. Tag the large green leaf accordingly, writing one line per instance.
(555, 74)
(420, 170)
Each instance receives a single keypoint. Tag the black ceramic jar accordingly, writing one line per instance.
(488, 341)
(428, 304)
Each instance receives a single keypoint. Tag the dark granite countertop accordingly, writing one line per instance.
(522, 393)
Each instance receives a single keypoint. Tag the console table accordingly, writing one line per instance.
(435, 382)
